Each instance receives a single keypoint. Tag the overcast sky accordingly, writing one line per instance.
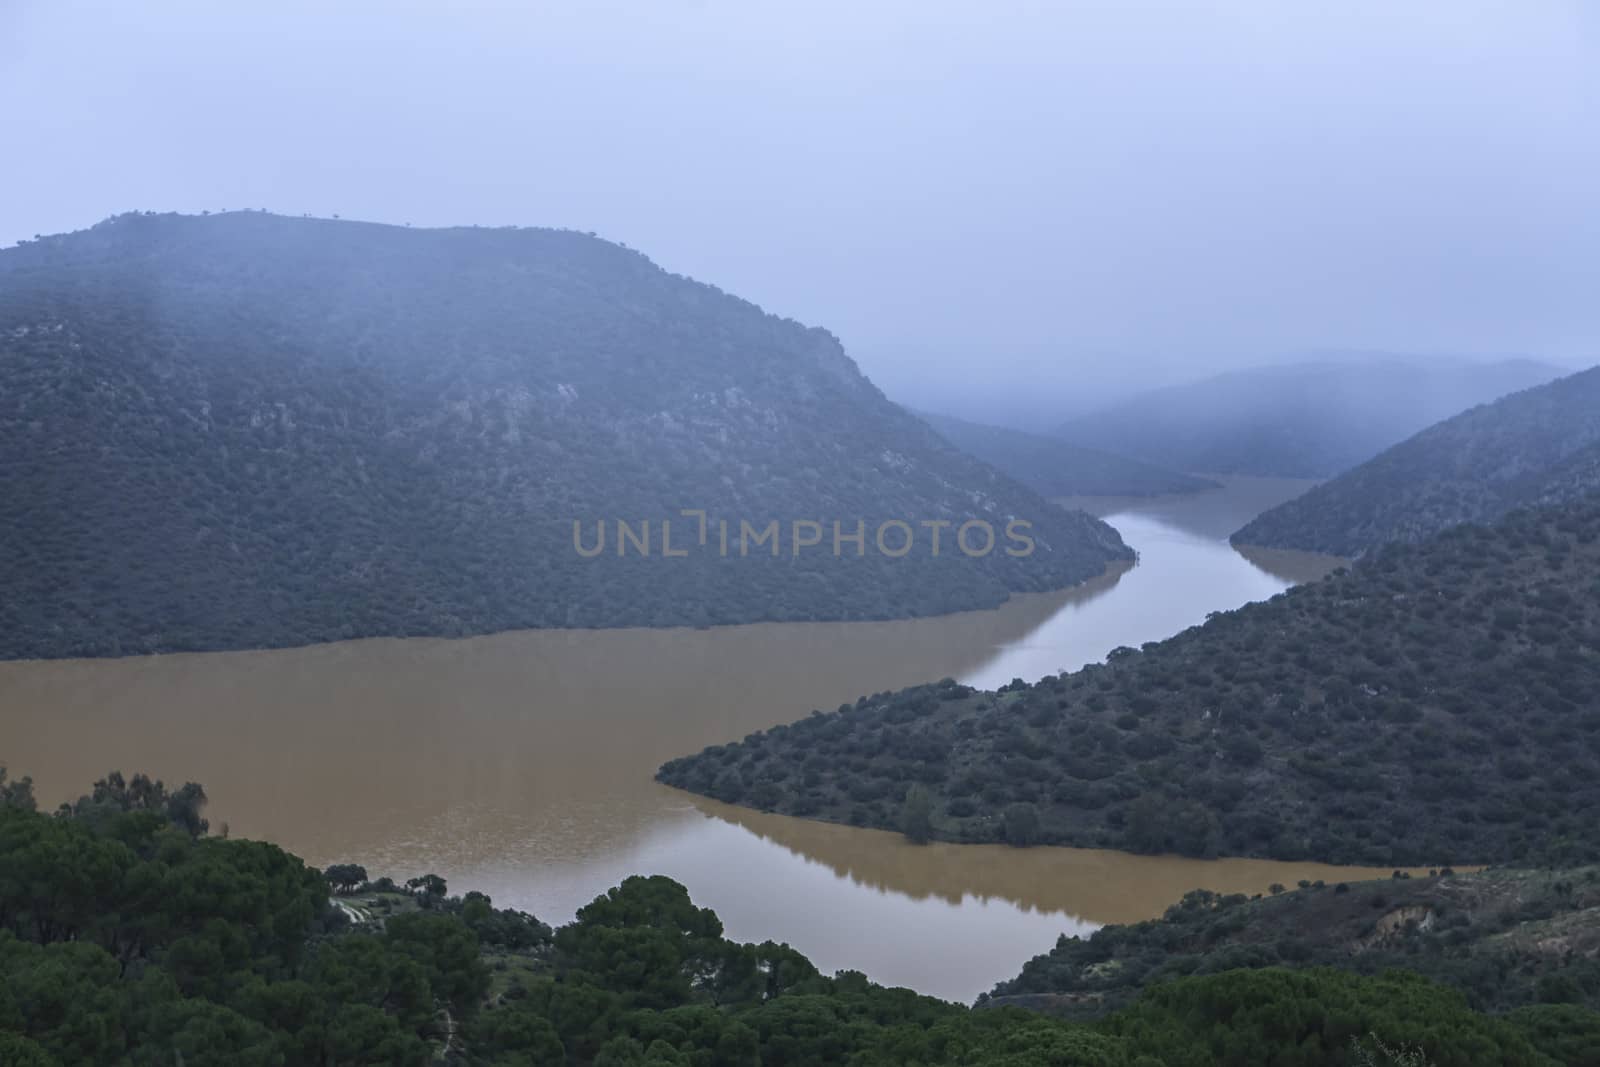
(974, 196)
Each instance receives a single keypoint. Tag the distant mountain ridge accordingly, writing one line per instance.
(247, 430)
(1531, 449)
(1299, 420)
(1055, 468)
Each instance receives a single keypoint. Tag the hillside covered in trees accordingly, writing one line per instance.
(249, 430)
(1055, 468)
(1298, 420)
(1440, 703)
(128, 935)
(1506, 938)
(1530, 449)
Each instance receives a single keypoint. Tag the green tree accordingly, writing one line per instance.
(17, 792)
(19, 1051)
(346, 877)
(448, 953)
(1564, 1032)
(429, 886)
(1146, 823)
(916, 815)
(1021, 826)
(518, 1036)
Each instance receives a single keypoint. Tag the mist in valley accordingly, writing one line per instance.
(633, 533)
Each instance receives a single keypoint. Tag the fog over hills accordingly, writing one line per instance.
(1302, 420)
(1058, 469)
(245, 430)
(460, 452)
(988, 204)
(1534, 448)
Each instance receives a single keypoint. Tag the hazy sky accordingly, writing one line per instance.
(972, 195)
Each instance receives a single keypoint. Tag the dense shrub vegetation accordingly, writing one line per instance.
(127, 936)
(1531, 449)
(247, 430)
(1438, 704)
(1055, 468)
(1506, 938)
(1298, 420)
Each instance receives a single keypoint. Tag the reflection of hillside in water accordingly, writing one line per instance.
(1289, 565)
(530, 749)
(1093, 885)
(523, 762)
(1213, 514)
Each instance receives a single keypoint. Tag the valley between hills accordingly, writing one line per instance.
(293, 500)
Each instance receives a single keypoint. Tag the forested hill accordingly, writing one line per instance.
(1440, 703)
(1058, 469)
(250, 430)
(1533, 448)
(1506, 938)
(1300, 420)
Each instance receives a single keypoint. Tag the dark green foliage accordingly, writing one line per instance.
(1504, 938)
(246, 430)
(1531, 449)
(502, 927)
(345, 877)
(1021, 826)
(113, 796)
(19, 1051)
(1440, 703)
(916, 815)
(136, 886)
(1055, 468)
(1300, 420)
(1314, 1017)
(1566, 1034)
(107, 957)
(17, 793)
(429, 886)
(121, 930)
(447, 950)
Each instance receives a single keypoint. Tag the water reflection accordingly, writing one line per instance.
(948, 920)
(1288, 565)
(530, 752)
(522, 763)
(1087, 886)
(1211, 516)
(1186, 569)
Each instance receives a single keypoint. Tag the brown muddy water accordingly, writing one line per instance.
(521, 764)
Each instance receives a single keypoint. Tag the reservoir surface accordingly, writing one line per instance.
(520, 764)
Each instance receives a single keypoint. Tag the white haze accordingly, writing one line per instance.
(997, 203)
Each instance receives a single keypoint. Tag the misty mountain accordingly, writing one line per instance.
(1435, 704)
(249, 430)
(1302, 420)
(1533, 448)
(1057, 469)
